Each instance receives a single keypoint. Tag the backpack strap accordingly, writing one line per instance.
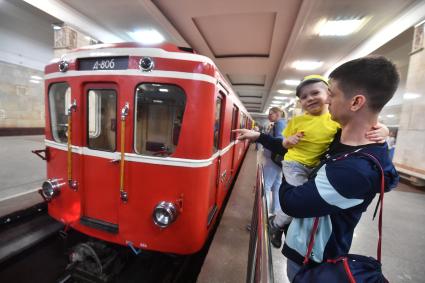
(380, 202)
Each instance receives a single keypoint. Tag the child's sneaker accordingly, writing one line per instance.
(275, 234)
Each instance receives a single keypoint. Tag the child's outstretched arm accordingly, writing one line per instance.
(378, 133)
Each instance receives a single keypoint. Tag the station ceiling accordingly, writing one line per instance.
(254, 43)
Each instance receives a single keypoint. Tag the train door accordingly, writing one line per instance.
(101, 168)
(218, 123)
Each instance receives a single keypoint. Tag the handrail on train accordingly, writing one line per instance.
(260, 266)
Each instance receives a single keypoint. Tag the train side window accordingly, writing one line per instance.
(102, 119)
(234, 123)
(218, 122)
(159, 117)
(59, 102)
(242, 121)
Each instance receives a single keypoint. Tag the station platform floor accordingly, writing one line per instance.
(403, 247)
(21, 173)
(403, 254)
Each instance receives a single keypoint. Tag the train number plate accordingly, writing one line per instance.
(104, 63)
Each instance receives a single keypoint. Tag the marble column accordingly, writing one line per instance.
(409, 155)
(67, 39)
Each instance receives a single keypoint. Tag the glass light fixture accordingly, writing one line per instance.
(292, 82)
(306, 65)
(341, 27)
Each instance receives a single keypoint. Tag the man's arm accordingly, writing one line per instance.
(272, 144)
(335, 188)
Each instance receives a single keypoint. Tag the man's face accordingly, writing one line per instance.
(313, 98)
(339, 106)
(273, 116)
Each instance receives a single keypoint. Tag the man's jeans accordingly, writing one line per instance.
(291, 269)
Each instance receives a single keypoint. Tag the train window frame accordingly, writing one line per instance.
(53, 123)
(218, 140)
(97, 119)
(176, 122)
(234, 125)
(113, 126)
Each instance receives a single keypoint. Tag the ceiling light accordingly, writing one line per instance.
(34, 81)
(36, 78)
(306, 65)
(150, 36)
(56, 27)
(292, 82)
(410, 95)
(274, 105)
(339, 27)
(390, 115)
(285, 91)
(281, 97)
(277, 102)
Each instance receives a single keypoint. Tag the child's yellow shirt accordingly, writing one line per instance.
(319, 131)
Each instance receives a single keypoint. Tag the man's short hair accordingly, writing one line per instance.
(277, 110)
(375, 76)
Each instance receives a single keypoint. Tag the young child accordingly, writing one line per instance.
(307, 137)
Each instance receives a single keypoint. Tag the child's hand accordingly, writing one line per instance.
(245, 134)
(378, 133)
(291, 141)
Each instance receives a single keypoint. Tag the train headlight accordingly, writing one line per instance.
(50, 189)
(146, 64)
(63, 66)
(164, 214)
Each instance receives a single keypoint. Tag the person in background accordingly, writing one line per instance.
(391, 144)
(345, 182)
(272, 171)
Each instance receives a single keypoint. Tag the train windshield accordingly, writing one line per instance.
(59, 102)
(159, 116)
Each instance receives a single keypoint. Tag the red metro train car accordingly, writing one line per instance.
(139, 144)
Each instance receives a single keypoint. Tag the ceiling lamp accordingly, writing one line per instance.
(148, 36)
(306, 65)
(292, 82)
(285, 91)
(339, 27)
(410, 95)
(281, 97)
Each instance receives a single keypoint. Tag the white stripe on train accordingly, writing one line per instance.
(168, 161)
(135, 51)
(134, 72)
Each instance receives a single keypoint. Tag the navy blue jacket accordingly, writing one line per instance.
(339, 192)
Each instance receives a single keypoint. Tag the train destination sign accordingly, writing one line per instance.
(103, 63)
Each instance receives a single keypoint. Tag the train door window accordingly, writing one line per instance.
(102, 119)
(242, 121)
(218, 122)
(159, 117)
(234, 123)
(59, 102)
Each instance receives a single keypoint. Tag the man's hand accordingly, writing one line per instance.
(245, 134)
(378, 133)
(291, 141)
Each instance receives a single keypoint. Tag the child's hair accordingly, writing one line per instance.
(278, 110)
(311, 79)
(375, 76)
